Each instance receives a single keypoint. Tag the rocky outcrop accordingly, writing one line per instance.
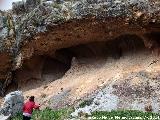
(13, 104)
(7, 39)
(37, 28)
(134, 91)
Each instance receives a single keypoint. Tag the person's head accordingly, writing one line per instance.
(31, 98)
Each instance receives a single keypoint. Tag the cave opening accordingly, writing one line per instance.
(122, 45)
(125, 44)
(153, 38)
(38, 70)
(45, 68)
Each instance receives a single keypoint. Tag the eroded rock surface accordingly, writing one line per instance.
(34, 28)
(135, 91)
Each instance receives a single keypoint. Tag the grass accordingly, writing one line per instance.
(125, 115)
(49, 114)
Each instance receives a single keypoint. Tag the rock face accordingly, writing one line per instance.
(7, 38)
(42, 28)
(134, 91)
(13, 104)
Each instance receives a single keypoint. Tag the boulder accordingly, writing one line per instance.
(2, 117)
(13, 103)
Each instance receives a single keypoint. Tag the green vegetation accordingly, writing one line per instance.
(56, 5)
(85, 102)
(125, 115)
(49, 114)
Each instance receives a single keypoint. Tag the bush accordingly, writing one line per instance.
(126, 115)
(47, 114)
(18, 117)
(85, 103)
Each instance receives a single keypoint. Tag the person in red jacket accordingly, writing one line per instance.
(28, 108)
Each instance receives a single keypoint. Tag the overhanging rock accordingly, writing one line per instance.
(50, 26)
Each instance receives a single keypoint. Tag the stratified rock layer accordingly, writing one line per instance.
(43, 28)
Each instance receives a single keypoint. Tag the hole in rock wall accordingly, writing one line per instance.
(40, 69)
(125, 44)
(45, 69)
(153, 38)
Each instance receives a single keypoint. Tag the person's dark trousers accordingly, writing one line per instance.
(26, 118)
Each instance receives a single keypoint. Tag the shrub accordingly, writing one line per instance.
(86, 102)
(126, 115)
(47, 114)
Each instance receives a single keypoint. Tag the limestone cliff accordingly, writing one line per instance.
(36, 27)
